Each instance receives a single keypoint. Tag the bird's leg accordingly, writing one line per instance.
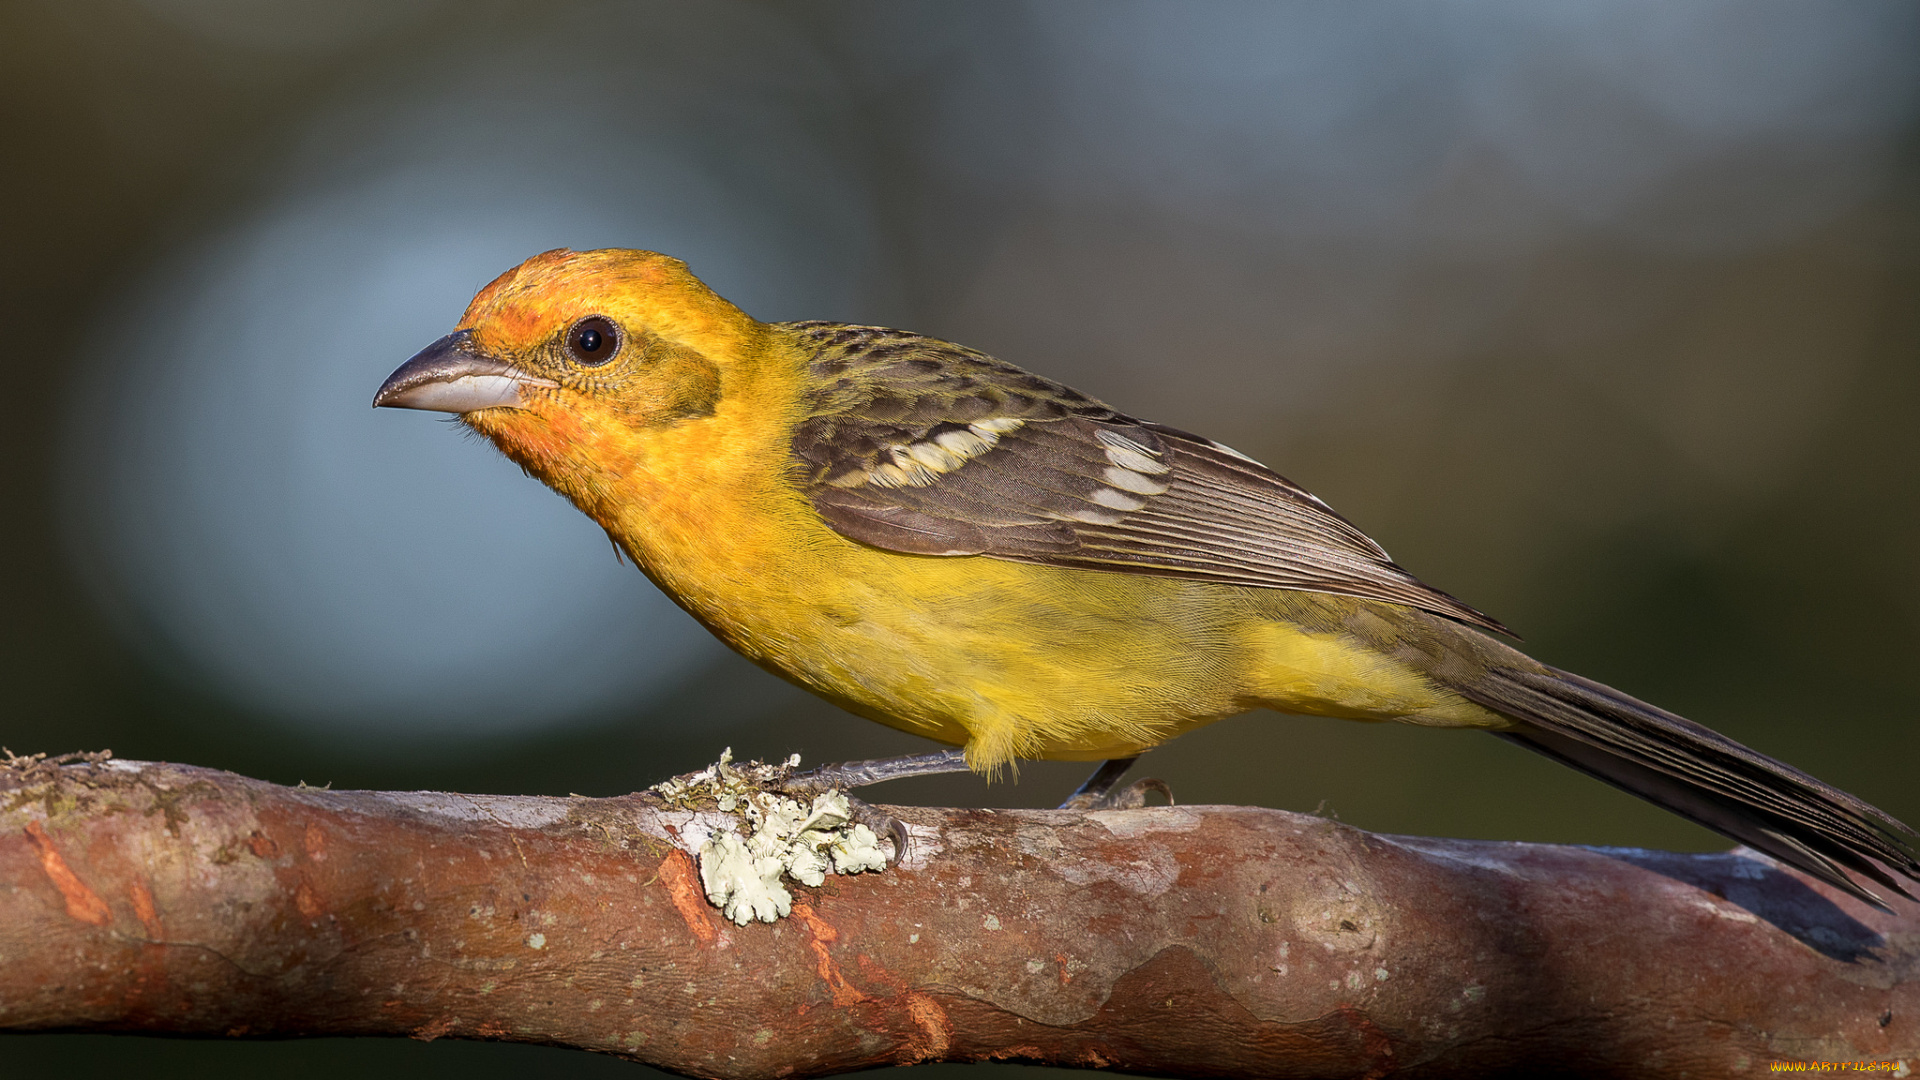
(1092, 793)
(1098, 792)
(853, 774)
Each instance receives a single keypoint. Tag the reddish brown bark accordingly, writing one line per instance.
(1193, 941)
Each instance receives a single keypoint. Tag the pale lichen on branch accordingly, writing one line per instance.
(786, 837)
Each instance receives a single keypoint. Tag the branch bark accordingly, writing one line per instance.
(1190, 941)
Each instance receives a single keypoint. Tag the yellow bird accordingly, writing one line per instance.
(950, 545)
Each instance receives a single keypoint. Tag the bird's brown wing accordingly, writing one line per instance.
(917, 445)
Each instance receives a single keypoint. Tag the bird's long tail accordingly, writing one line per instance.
(1705, 776)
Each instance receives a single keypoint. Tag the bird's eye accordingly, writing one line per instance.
(593, 341)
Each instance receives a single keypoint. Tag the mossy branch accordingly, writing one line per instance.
(1190, 941)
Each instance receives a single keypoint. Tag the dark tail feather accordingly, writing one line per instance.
(1705, 776)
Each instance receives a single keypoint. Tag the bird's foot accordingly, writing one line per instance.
(882, 824)
(853, 774)
(1102, 791)
(1133, 796)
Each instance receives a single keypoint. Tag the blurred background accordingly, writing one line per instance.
(1600, 316)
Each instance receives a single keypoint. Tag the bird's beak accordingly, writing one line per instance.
(450, 375)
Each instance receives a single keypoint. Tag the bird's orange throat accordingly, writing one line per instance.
(573, 451)
(689, 500)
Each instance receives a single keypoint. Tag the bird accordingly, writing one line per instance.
(948, 544)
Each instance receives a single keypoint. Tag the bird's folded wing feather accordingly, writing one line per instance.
(918, 445)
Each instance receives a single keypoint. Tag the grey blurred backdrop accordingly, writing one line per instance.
(1601, 316)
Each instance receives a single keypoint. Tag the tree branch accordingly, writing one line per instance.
(1192, 941)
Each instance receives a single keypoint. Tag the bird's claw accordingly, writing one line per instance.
(882, 824)
(805, 786)
(864, 813)
(1131, 797)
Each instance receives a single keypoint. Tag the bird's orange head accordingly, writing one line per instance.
(594, 370)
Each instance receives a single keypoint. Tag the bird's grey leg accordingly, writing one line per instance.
(1098, 792)
(853, 774)
(1102, 781)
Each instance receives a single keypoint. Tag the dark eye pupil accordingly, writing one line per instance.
(593, 341)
